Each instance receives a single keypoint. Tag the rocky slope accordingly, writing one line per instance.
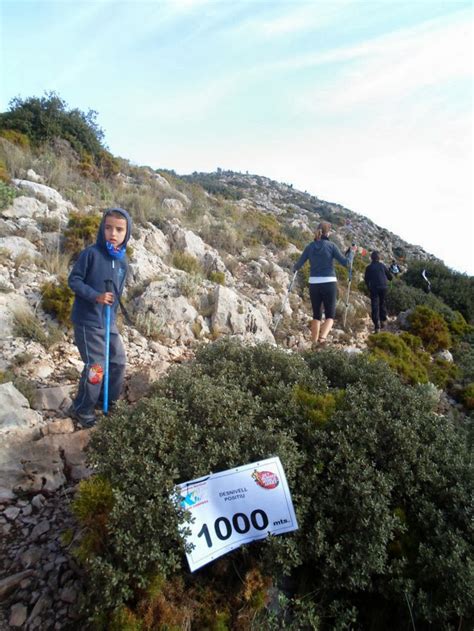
(42, 453)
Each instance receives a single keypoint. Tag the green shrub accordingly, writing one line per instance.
(46, 118)
(457, 290)
(468, 396)
(217, 277)
(187, 262)
(15, 137)
(402, 353)
(380, 483)
(7, 195)
(4, 175)
(443, 373)
(57, 299)
(430, 327)
(265, 229)
(81, 231)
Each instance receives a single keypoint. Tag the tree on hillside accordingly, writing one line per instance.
(456, 289)
(44, 118)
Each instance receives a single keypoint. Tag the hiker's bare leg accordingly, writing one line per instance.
(325, 328)
(315, 324)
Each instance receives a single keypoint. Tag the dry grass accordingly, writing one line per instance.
(26, 324)
(56, 262)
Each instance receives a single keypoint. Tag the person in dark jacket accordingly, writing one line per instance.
(104, 261)
(376, 276)
(322, 281)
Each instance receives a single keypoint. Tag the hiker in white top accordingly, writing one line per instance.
(323, 282)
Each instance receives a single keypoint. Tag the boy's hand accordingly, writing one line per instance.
(106, 298)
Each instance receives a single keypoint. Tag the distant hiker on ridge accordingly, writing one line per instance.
(376, 276)
(104, 261)
(322, 281)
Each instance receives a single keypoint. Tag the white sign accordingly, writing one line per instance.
(234, 507)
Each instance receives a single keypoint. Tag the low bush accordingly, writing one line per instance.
(57, 299)
(7, 195)
(380, 483)
(15, 138)
(468, 396)
(431, 328)
(217, 277)
(402, 353)
(457, 290)
(265, 229)
(187, 262)
(81, 231)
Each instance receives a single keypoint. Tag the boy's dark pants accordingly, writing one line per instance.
(379, 312)
(90, 342)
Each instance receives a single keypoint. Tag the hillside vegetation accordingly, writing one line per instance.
(375, 435)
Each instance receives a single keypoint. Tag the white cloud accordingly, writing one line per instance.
(390, 67)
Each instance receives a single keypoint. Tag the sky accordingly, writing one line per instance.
(368, 104)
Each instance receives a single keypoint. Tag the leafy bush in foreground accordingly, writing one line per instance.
(381, 488)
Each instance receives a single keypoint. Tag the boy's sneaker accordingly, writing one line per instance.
(83, 420)
(383, 324)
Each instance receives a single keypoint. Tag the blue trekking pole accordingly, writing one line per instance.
(108, 288)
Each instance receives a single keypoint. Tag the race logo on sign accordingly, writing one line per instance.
(96, 374)
(266, 479)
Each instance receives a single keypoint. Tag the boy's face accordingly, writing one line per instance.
(115, 229)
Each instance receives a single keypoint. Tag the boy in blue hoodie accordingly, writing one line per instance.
(104, 261)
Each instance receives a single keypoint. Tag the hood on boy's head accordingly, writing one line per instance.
(101, 234)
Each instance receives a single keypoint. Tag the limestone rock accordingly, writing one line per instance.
(155, 241)
(61, 426)
(18, 245)
(174, 315)
(9, 583)
(187, 241)
(173, 205)
(9, 303)
(55, 399)
(235, 315)
(18, 614)
(48, 194)
(28, 465)
(445, 355)
(25, 207)
(15, 411)
(148, 252)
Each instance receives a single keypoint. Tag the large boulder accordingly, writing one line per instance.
(155, 241)
(15, 411)
(149, 250)
(25, 207)
(235, 315)
(49, 195)
(187, 241)
(174, 316)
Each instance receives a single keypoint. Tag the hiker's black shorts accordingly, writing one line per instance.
(323, 294)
